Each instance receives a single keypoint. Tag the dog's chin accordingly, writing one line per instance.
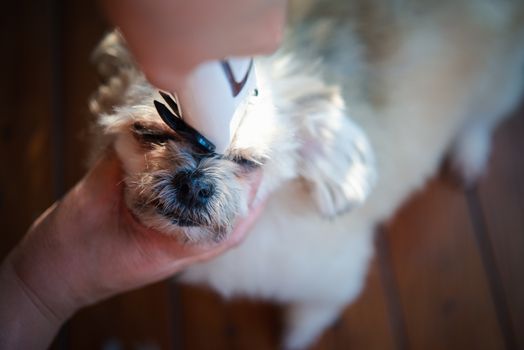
(181, 222)
(190, 231)
(189, 225)
(182, 218)
(185, 229)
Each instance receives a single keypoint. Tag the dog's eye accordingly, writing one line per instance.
(247, 163)
(150, 136)
(155, 138)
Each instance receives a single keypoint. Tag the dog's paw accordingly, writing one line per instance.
(337, 163)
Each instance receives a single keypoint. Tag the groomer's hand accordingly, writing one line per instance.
(170, 37)
(86, 248)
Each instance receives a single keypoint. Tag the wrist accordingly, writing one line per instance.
(41, 271)
(25, 294)
(47, 295)
(25, 322)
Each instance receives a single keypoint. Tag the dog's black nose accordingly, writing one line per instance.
(192, 189)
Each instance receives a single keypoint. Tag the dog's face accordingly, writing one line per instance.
(179, 185)
(175, 187)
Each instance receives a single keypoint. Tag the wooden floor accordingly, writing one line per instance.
(449, 270)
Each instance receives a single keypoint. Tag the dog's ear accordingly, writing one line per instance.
(116, 68)
(111, 56)
(336, 159)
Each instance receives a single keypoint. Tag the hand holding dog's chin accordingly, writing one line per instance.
(88, 247)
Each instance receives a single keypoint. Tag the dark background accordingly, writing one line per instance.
(449, 272)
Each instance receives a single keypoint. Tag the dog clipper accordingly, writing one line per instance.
(212, 102)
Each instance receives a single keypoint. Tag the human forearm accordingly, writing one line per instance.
(36, 294)
(25, 321)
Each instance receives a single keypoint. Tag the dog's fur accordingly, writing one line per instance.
(422, 79)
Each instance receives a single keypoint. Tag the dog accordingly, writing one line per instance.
(354, 113)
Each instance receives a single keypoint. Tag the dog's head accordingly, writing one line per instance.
(175, 186)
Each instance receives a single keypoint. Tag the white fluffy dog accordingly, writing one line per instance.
(355, 112)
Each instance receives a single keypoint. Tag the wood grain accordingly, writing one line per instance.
(253, 325)
(501, 194)
(204, 324)
(134, 320)
(442, 283)
(366, 323)
(25, 120)
(83, 27)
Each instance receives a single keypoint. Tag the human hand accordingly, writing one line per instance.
(171, 37)
(88, 246)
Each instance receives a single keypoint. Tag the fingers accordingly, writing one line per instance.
(244, 224)
(200, 254)
(242, 227)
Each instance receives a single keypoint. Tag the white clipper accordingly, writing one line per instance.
(214, 98)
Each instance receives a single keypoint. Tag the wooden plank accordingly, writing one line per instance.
(501, 194)
(365, 324)
(329, 339)
(203, 322)
(134, 320)
(209, 322)
(253, 325)
(27, 177)
(442, 284)
(83, 27)
(25, 120)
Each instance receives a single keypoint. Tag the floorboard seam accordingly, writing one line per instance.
(390, 286)
(490, 266)
(177, 316)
